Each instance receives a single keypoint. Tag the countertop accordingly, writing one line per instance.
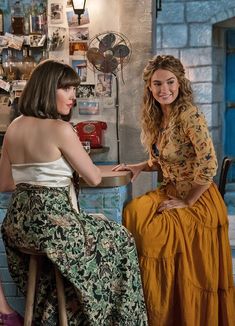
(110, 178)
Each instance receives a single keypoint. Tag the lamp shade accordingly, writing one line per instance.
(79, 5)
(79, 8)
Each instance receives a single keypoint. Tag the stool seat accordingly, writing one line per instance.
(31, 288)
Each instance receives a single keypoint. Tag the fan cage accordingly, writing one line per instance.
(104, 60)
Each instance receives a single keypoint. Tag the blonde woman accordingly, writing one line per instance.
(181, 228)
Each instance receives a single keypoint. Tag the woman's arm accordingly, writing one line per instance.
(72, 149)
(193, 195)
(136, 169)
(6, 179)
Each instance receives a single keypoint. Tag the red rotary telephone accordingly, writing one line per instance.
(91, 131)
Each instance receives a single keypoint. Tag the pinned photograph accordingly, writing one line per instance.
(85, 91)
(78, 48)
(104, 85)
(77, 34)
(88, 107)
(80, 67)
(56, 13)
(56, 38)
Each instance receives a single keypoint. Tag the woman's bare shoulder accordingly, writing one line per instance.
(61, 126)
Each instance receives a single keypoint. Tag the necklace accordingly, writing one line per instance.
(163, 126)
(162, 130)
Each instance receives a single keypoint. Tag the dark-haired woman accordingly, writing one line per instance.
(96, 257)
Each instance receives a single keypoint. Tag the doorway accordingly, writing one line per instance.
(229, 141)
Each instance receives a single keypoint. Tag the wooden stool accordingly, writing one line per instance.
(31, 287)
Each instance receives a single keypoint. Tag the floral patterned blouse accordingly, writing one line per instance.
(186, 152)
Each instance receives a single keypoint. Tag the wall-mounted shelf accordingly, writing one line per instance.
(100, 150)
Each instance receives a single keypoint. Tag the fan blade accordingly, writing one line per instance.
(109, 65)
(120, 51)
(106, 42)
(94, 56)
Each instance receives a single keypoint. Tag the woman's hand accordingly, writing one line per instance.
(134, 168)
(171, 203)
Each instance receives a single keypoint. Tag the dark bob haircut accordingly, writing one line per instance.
(38, 98)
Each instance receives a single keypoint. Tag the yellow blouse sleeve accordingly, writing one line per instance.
(196, 129)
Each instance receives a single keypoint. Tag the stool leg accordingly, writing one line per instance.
(61, 299)
(30, 291)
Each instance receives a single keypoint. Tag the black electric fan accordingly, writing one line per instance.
(108, 53)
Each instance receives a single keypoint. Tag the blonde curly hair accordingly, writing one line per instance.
(151, 113)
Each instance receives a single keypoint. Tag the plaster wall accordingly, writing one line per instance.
(136, 20)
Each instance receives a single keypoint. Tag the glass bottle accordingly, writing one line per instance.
(11, 66)
(44, 55)
(26, 19)
(28, 64)
(41, 18)
(17, 18)
(33, 18)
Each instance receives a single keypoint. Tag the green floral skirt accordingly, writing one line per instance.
(97, 258)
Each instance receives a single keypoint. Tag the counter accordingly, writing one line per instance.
(110, 196)
(110, 178)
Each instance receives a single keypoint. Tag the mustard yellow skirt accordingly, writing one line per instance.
(185, 260)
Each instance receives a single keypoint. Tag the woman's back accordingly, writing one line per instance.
(31, 139)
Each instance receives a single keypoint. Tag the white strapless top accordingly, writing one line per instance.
(57, 173)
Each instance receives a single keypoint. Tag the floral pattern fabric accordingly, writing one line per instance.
(186, 152)
(184, 253)
(97, 258)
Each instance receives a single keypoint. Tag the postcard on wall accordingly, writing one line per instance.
(77, 34)
(80, 67)
(69, 4)
(88, 107)
(103, 85)
(56, 38)
(72, 18)
(56, 12)
(85, 91)
(78, 48)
